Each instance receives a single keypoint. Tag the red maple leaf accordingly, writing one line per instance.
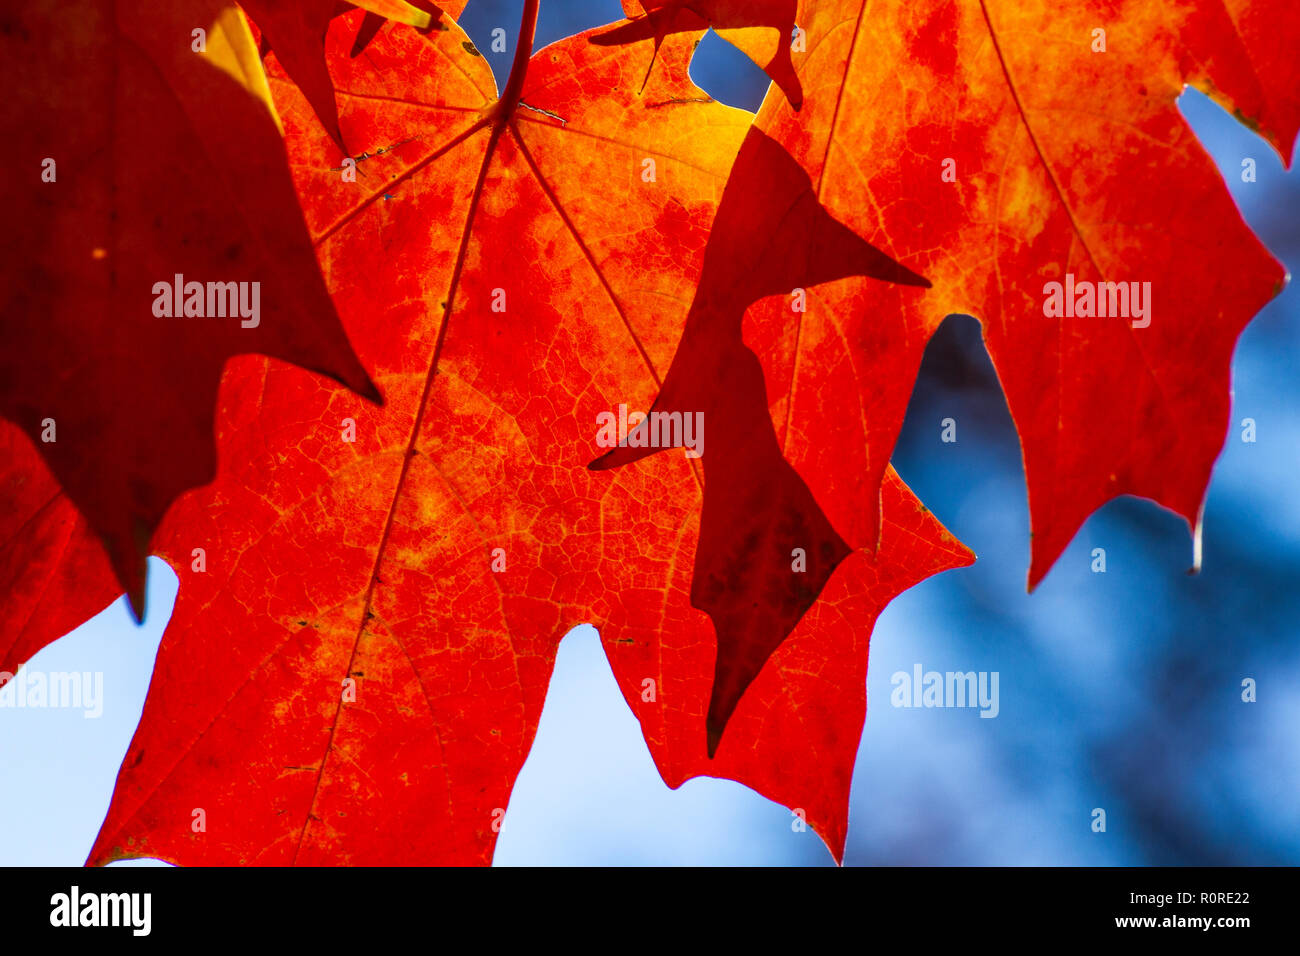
(998, 147)
(145, 164)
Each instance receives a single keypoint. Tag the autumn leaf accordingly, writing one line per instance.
(139, 160)
(54, 573)
(383, 547)
(766, 548)
(761, 29)
(295, 30)
(998, 147)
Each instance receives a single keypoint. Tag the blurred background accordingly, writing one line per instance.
(1120, 691)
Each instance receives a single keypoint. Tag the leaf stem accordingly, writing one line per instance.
(523, 50)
